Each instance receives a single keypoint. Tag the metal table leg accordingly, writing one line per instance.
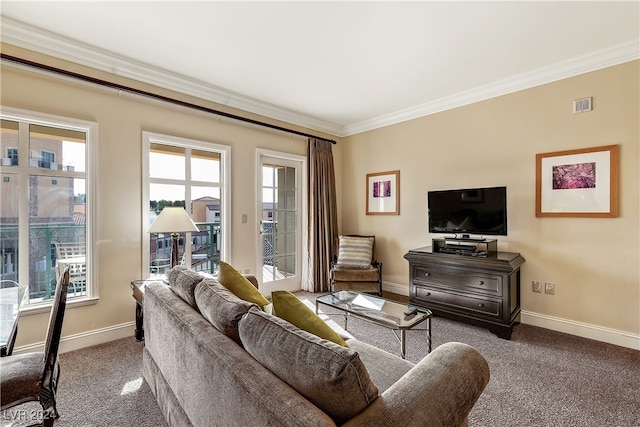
(429, 333)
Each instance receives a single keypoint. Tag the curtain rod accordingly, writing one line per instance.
(124, 88)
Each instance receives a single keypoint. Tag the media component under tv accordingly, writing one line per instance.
(477, 211)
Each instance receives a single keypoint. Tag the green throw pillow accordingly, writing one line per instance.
(288, 307)
(239, 285)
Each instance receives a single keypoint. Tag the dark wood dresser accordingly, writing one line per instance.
(483, 291)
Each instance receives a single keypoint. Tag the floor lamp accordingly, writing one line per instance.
(174, 220)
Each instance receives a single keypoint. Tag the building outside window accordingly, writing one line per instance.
(45, 216)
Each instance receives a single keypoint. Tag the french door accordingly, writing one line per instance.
(281, 206)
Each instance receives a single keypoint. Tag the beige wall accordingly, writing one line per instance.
(121, 121)
(593, 262)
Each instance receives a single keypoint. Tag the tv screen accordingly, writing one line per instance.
(468, 211)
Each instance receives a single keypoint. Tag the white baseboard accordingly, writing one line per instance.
(395, 288)
(584, 330)
(558, 324)
(85, 339)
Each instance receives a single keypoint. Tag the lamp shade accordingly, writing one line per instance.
(173, 220)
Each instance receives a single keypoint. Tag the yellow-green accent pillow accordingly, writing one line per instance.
(288, 307)
(239, 285)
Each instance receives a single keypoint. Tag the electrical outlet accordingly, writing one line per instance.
(244, 218)
(549, 288)
(536, 286)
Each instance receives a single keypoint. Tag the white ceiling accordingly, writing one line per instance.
(338, 67)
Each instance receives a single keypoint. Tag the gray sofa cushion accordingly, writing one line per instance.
(330, 376)
(183, 282)
(221, 307)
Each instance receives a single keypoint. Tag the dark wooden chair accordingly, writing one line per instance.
(34, 376)
(355, 267)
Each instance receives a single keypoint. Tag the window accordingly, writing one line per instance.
(48, 160)
(191, 174)
(50, 228)
(12, 156)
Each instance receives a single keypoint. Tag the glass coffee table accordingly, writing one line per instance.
(380, 311)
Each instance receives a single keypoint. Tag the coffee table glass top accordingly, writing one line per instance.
(380, 310)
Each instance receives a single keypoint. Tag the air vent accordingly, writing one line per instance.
(582, 105)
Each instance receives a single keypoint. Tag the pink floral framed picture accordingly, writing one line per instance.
(578, 183)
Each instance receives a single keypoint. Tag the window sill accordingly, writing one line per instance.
(46, 308)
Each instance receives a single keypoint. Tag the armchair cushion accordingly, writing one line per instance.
(355, 251)
(349, 274)
(20, 376)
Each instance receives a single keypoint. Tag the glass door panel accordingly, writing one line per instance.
(280, 225)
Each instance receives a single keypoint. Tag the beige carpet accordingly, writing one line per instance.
(539, 378)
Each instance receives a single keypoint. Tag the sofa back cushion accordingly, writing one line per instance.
(330, 376)
(183, 282)
(221, 307)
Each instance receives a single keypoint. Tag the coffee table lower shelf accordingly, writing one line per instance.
(380, 311)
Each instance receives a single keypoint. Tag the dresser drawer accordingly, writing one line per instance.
(476, 282)
(457, 301)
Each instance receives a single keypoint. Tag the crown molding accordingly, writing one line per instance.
(36, 39)
(25, 36)
(615, 55)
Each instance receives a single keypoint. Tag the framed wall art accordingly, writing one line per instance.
(578, 183)
(383, 193)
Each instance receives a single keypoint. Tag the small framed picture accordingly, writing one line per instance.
(578, 183)
(383, 193)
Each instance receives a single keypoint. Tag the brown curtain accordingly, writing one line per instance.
(323, 216)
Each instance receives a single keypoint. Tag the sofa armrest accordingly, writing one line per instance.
(439, 391)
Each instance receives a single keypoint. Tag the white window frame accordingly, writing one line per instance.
(23, 170)
(224, 151)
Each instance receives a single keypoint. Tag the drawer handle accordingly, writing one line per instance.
(427, 274)
(428, 294)
(480, 305)
(481, 282)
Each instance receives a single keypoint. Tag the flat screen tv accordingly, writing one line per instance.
(480, 211)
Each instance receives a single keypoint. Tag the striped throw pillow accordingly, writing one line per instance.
(355, 252)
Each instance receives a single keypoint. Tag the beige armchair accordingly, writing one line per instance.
(355, 267)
